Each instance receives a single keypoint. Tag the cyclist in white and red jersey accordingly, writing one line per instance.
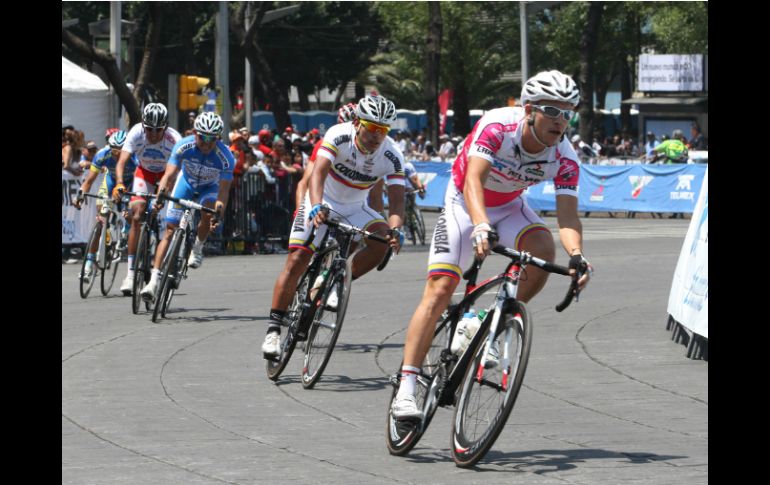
(508, 150)
(151, 141)
(352, 158)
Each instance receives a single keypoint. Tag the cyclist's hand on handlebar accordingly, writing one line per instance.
(396, 238)
(78, 199)
(159, 201)
(421, 193)
(480, 240)
(581, 268)
(219, 206)
(318, 214)
(117, 192)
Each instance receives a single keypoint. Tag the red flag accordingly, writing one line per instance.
(444, 100)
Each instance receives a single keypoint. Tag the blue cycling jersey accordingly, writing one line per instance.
(104, 159)
(201, 170)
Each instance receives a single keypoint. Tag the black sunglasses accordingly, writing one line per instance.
(554, 112)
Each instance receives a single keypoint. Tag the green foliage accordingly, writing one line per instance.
(680, 27)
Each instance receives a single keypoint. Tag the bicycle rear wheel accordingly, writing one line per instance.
(420, 223)
(402, 436)
(168, 273)
(487, 396)
(142, 268)
(325, 328)
(85, 288)
(295, 314)
(178, 276)
(111, 260)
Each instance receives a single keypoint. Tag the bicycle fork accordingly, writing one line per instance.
(506, 293)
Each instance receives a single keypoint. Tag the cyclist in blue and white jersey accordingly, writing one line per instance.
(105, 159)
(206, 166)
(353, 157)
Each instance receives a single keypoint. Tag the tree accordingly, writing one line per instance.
(433, 65)
(587, 47)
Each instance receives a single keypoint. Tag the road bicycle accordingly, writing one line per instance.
(174, 266)
(309, 318)
(413, 220)
(482, 382)
(149, 235)
(109, 239)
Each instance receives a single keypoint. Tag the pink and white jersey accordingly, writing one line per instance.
(353, 173)
(497, 139)
(152, 158)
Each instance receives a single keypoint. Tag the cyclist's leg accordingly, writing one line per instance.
(173, 216)
(136, 208)
(371, 254)
(523, 230)
(296, 263)
(207, 198)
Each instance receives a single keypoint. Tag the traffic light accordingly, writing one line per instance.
(189, 96)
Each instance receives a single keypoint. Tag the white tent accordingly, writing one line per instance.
(84, 101)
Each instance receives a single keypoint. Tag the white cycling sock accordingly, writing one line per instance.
(155, 275)
(408, 380)
(198, 243)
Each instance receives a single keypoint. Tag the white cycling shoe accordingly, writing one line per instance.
(148, 292)
(196, 258)
(271, 347)
(128, 286)
(405, 407)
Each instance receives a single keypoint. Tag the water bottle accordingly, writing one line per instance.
(318, 282)
(460, 340)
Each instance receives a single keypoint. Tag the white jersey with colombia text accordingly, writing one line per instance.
(353, 173)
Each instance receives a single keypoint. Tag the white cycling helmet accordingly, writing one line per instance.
(155, 115)
(346, 113)
(550, 86)
(376, 109)
(117, 139)
(208, 123)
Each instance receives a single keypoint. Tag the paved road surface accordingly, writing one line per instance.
(608, 397)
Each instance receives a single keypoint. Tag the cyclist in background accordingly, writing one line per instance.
(508, 150)
(105, 159)
(206, 165)
(151, 142)
(353, 157)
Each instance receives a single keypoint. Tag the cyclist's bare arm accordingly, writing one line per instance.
(121, 166)
(302, 184)
(570, 229)
(396, 203)
(316, 185)
(375, 197)
(473, 193)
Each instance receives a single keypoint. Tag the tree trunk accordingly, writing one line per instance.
(625, 93)
(304, 100)
(461, 124)
(588, 41)
(279, 102)
(338, 97)
(150, 51)
(432, 71)
(108, 62)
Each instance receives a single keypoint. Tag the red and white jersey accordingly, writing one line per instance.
(497, 139)
(152, 158)
(353, 173)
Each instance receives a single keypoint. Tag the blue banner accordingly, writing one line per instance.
(639, 188)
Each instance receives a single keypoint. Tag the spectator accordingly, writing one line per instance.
(446, 149)
(697, 140)
(649, 147)
(428, 152)
(419, 147)
(673, 150)
(596, 146)
(265, 141)
(583, 149)
(191, 120)
(264, 167)
(628, 148)
(87, 155)
(238, 148)
(72, 142)
(254, 146)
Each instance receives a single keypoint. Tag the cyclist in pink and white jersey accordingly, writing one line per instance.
(151, 141)
(508, 150)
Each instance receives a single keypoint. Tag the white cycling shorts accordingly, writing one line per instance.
(451, 248)
(357, 214)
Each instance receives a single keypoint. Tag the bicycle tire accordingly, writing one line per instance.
(402, 436)
(420, 225)
(469, 441)
(320, 340)
(412, 225)
(110, 271)
(85, 288)
(142, 269)
(180, 270)
(169, 267)
(291, 321)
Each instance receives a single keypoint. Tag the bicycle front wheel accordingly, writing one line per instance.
(169, 272)
(488, 394)
(85, 288)
(325, 328)
(142, 268)
(111, 262)
(295, 314)
(420, 223)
